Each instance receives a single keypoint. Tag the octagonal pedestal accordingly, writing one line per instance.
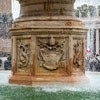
(47, 48)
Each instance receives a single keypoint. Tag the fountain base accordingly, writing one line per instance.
(29, 80)
(47, 49)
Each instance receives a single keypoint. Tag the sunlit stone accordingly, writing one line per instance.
(47, 43)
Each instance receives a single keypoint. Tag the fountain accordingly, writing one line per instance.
(47, 43)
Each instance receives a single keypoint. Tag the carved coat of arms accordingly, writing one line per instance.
(50, 53)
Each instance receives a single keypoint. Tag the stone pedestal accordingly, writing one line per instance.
(47, 43)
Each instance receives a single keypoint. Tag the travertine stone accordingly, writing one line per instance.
(46, 7)
(48, 43)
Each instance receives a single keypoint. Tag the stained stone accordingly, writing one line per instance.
(48, 43)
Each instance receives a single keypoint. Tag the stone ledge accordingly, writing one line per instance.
(25, 80)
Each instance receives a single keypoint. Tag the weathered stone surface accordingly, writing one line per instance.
(46, 7)
(47, 48)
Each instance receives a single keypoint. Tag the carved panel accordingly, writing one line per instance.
(23, 54)
(78, 53)
(52, 52)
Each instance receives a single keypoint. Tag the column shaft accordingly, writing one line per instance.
(97, 41)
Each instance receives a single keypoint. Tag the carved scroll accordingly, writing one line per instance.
(23, 53)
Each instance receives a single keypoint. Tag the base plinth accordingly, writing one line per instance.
(23, 80)
(47, 43)
(27, 80)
